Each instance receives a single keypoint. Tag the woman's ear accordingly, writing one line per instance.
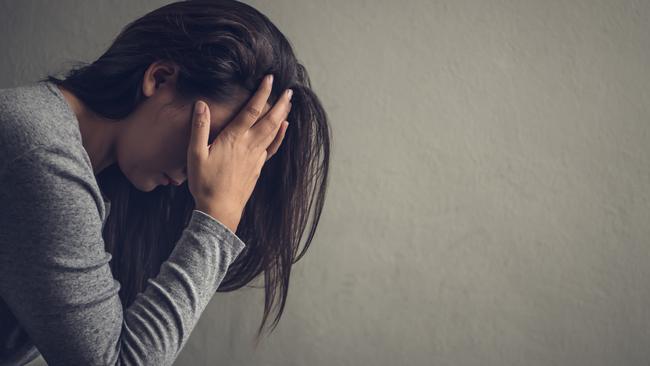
(159, 73)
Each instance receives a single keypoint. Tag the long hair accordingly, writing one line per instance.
(219, 46)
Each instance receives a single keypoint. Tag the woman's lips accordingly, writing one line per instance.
(170, 180)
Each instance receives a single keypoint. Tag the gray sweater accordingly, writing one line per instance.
(57, 294)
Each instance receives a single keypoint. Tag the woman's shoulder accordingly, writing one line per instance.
(34, 115)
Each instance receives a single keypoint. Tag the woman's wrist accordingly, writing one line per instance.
(226, 216)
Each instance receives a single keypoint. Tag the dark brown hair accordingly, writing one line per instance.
(220, 47)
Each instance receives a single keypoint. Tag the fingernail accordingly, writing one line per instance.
(269, 77)
(289, 93)
(200, 107)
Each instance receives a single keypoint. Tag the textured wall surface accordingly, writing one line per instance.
(489, 196)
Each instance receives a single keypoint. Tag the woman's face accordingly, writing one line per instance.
(154, 142)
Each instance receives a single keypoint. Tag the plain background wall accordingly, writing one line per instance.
(489, 191)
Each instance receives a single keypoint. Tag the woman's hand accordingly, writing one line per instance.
(221, 177)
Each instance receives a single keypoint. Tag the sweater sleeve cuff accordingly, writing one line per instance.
(204, 222)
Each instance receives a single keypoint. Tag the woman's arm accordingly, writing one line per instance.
(57, 281)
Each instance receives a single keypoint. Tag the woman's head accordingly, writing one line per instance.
(152, 141)
(148, 79)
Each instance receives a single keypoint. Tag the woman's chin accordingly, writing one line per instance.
(154, 185)
(150, 186)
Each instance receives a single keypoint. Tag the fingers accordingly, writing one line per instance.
(264, 130)
(253, 109)
(198, 145)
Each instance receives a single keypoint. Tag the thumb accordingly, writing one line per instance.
(200, 130)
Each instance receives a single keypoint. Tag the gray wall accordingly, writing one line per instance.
(489, 198)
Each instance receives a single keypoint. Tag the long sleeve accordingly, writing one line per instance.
(55, 275)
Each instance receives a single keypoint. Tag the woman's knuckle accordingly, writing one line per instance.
(199, 122)
(252, 111)
(271, 126)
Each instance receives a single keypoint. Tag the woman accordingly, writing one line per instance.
(102, 261)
